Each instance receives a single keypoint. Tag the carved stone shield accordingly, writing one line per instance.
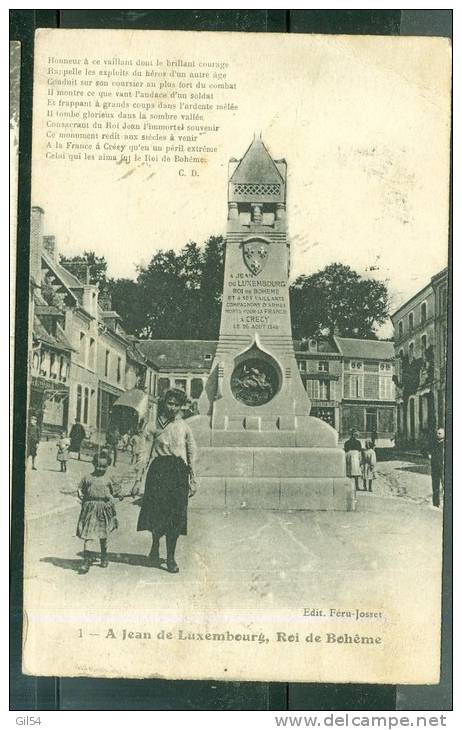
(255, 255)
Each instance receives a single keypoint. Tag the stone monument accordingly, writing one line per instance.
(259, 447)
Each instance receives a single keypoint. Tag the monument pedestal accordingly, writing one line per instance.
(259, 447)
(284, 477)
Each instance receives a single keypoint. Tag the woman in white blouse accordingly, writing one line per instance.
(169, 480)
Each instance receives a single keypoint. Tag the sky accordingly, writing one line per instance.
(362, 122)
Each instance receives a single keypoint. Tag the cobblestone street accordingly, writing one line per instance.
(239, 558)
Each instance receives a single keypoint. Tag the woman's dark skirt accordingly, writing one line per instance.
(165, 502)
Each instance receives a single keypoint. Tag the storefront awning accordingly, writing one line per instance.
(134, 398)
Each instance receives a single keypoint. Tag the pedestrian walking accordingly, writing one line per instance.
(170, 479)
(353, 450)
(368, 463)
(98, 517)
(77, 435)
(436, 456)
(33, 440)
(62, 455)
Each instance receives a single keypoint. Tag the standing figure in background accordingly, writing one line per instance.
(33, 439)
(63, 450)
(436, 455)
(353, 450)
(170, 479)
(112, 441)
(139, 455)
(77, 435)
(368, 463)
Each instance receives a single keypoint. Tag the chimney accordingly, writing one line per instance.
(49, 246)
(36, 243)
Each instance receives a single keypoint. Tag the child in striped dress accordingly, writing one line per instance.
(98, 517)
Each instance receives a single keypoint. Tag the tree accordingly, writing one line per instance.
(127, 298)
(177, 295)
(88, 261)
(338, 300)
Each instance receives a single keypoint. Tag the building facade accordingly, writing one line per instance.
(349, 381)
(368, 389)
(420, 335)
(81, 359)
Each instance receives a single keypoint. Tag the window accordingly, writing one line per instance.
(302, 366)
(324, 390)
(411, 351)
(401, 353)
(119, 369)
(85, 406)
(312, 388)
(385, 388)
(423, 312)
(385, 365)
(353, 386)
(181, 384)
(323, 366)
(106, 363)
(356, 365)
(371, 420)
(162, 385)
(44, 363)
(400, 328)
(411, 321)
(91, 354)
(62, 369)
(53, 366)
(423, 343)
(208, 358)
(197, 386)
(444, 295)
(78, 408)
(82, 344)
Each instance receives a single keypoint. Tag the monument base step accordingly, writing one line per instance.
(277, 493)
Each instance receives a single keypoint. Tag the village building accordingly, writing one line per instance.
(81, 359)
(420, 335)
(349, 381)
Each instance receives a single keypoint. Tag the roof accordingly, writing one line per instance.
(110, 313)
(179, 354)
(256, 166)
(428, 288)
(365, 349)
(324, 346)
(67, 278)
(48, 310)
(59, 342)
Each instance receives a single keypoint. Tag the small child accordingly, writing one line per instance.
(63, 450)
(97, 517)
(368, 462)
